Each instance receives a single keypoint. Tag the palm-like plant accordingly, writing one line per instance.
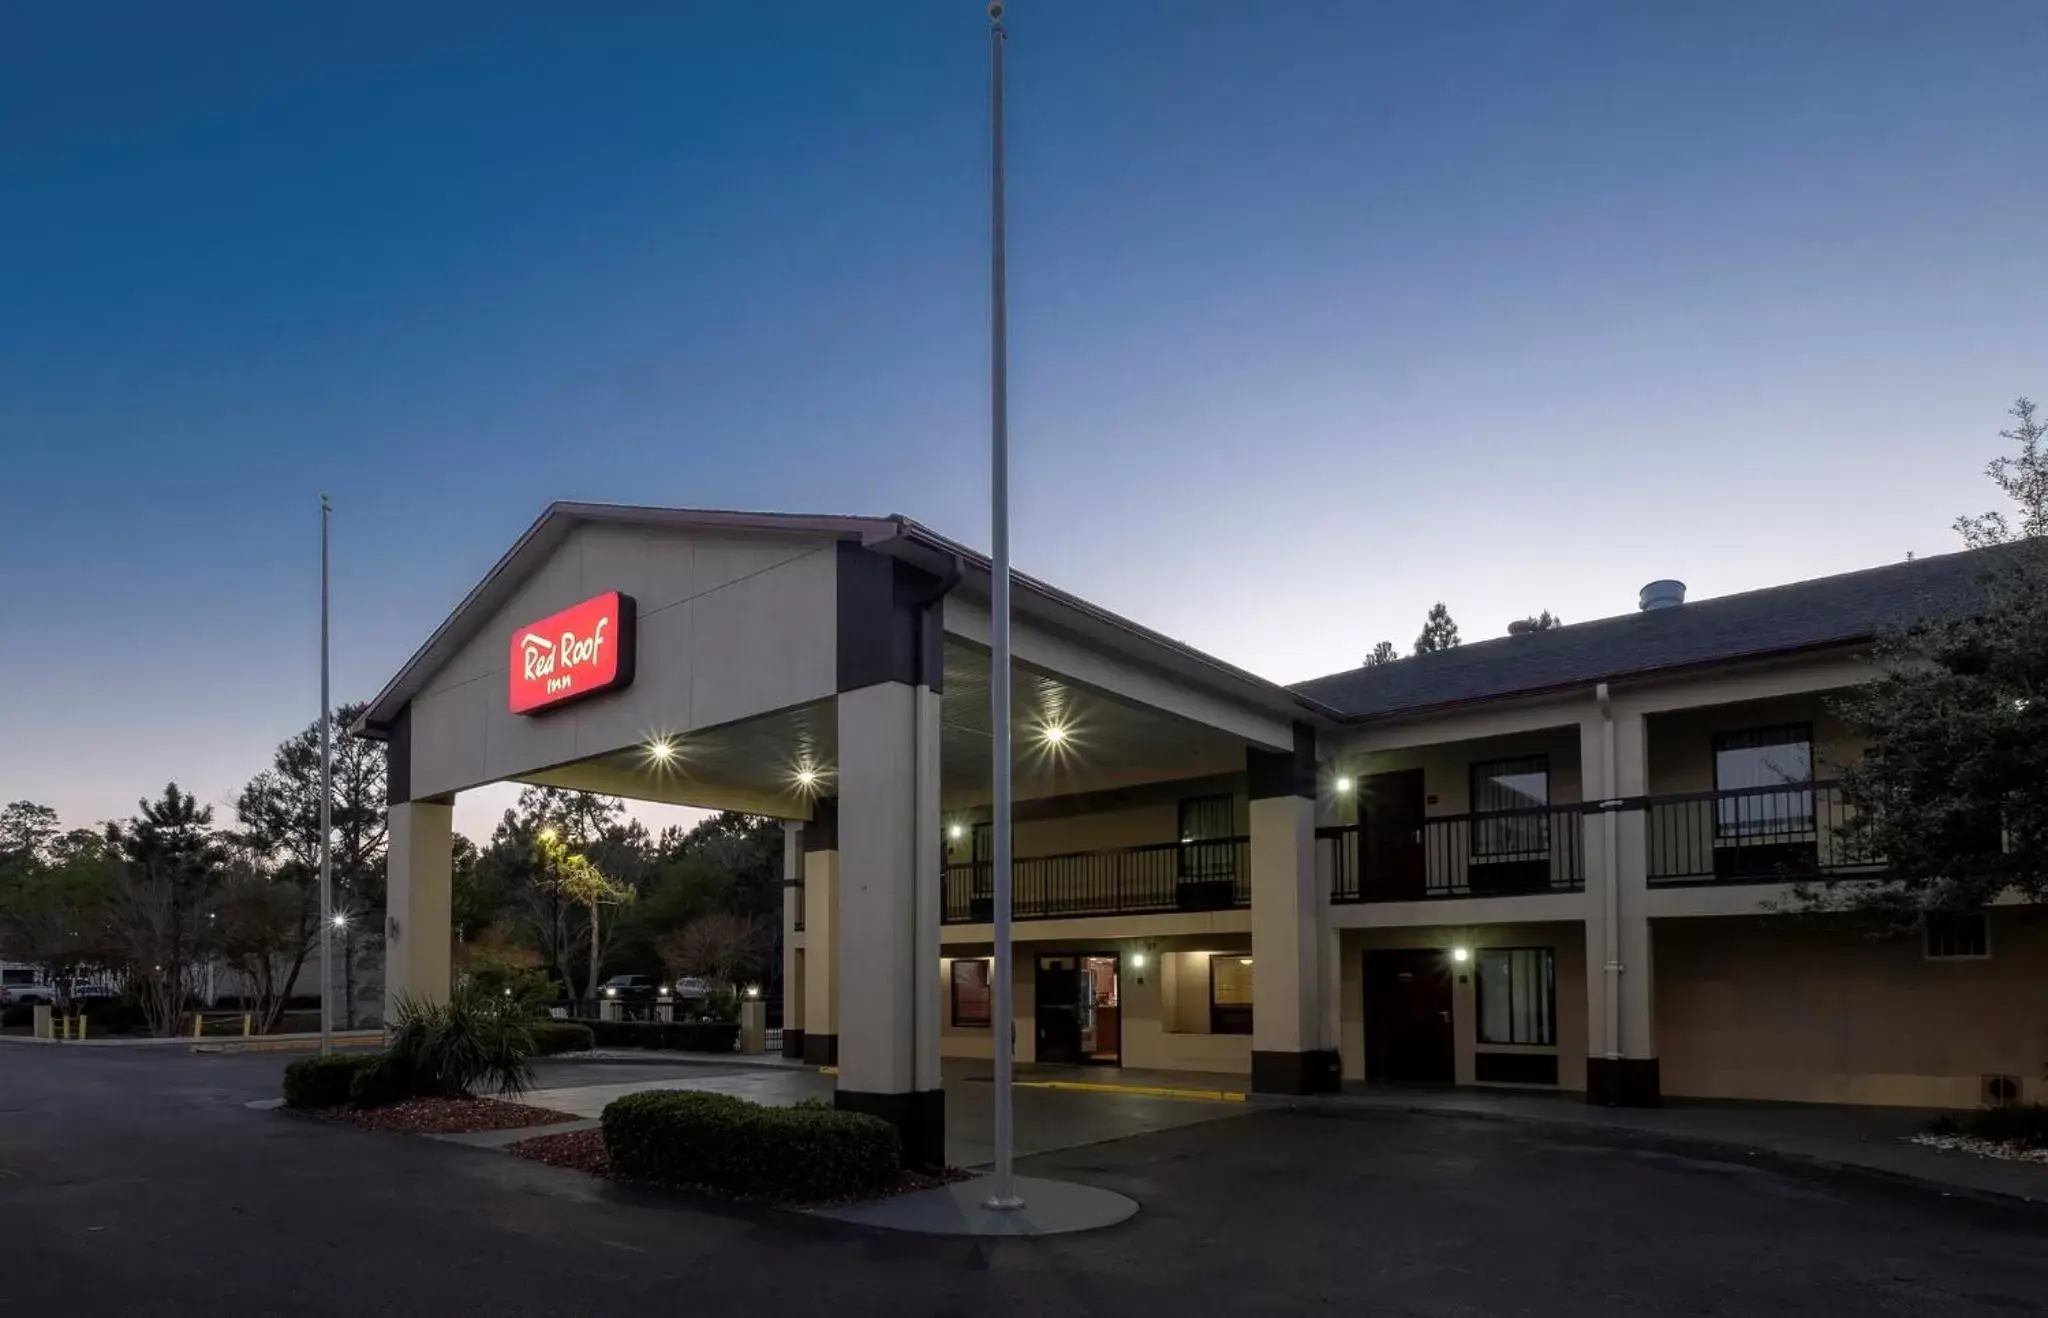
(475, 1040)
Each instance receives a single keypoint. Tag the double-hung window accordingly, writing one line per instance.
(1518, 996)
(1763, 782)
(1510, 800)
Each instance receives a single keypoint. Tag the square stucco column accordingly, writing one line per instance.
(818, 1044)
(417, 922)
(1292, 1052)
(793, 921)
(1621, 1048)
(888, 926)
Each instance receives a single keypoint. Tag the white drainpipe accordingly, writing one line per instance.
(1612, 894)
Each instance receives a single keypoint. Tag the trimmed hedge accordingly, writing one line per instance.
(810, 1152)
(552, 1037)
(2025, 1125)
(326, 1081)
(680, 1036)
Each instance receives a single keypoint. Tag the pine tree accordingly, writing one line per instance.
(1383, 653)
(1438, 631)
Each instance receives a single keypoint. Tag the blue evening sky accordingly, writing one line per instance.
(1321, 312)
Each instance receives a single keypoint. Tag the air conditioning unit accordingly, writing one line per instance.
(1998, 1090)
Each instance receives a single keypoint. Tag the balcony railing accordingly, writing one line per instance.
(1491, 854)
(1773, 834)
(1160, 878)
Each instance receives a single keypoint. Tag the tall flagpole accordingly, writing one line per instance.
(1005, 1193)
(326, 813)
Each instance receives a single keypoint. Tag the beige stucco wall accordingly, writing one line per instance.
(729, 626)
(1567, 942)
(1680, 744)
(1764, 1007)
(1155, 1034)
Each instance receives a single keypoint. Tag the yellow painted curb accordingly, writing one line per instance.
(1148, 1091)
(828, 1070)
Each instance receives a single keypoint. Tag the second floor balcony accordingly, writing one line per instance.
(1487, 854)
(1160, 878)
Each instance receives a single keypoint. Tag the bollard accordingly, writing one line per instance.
(81, 1027)
(198, 1023)
(246, 1021)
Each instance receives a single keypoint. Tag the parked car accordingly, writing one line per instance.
(32, 994)
(633, 988)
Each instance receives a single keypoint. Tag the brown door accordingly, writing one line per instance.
(1408, 1016)
(1392, 864)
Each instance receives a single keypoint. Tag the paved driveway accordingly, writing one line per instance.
(139, 1185)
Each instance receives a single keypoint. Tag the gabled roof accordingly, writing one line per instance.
(1805, 615)
(895, 535)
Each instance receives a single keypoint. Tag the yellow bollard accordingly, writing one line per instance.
(198, 1023)
(81, 1027)
(247, 1022)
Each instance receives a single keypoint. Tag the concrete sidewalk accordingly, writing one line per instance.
(1867, 1139)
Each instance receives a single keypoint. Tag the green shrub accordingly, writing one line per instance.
(473, 1040)
(809, 1152)
(2026, 1125)
(112, 1016)
(381, 1084)
(682, 1036)
(494, 976)
(553, 1037)
(326, 1081)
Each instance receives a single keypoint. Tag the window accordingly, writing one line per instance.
(1952, 937)
(1230, 993)
(1208, 829)
(1511, 785)
(1517, 996)
(970, 993)
(1752, 769)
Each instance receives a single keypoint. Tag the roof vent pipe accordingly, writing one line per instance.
(1661, 595)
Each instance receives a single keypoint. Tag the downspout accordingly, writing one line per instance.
(1611, 890)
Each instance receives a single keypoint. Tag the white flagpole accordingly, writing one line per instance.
(326, 816)
(1005, 1194)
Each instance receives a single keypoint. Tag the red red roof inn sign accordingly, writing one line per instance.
(584, 649)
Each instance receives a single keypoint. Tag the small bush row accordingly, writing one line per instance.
(681, 1036)
(317, 1082)
(802, 1153)
(552, 1038)
(2025, 1125)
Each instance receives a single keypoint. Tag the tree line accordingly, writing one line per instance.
(569, 888)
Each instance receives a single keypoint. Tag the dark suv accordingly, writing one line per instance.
(631, 988)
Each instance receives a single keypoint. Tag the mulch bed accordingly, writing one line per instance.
(2004, 1150)
(583, 1151)
(447, 1116)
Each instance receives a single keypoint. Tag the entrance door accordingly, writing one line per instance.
(1059, 1009)
(1408, 1033)
(1391, 855)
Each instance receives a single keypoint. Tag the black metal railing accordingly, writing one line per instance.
(1772, 834)
(1162, 877)
(1489, 854)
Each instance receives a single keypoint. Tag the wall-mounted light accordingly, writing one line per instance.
(1054, 735)
(807, 777)
(1461, 955)
(1244, 961)
(1343, 785)
(1137, 960)
(956, 831)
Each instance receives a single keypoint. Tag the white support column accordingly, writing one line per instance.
(793, 922)
(820, 843)
(1292, 1048)
(1621, 1061)
(417, 923)
(888, 932)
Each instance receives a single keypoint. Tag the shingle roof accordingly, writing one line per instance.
(1779, 619)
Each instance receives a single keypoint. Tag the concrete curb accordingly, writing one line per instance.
(1142, 1091)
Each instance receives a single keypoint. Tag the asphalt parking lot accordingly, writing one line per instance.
(138, 1183)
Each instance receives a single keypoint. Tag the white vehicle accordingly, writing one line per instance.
(24, 984)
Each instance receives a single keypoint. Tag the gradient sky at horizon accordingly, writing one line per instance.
(1321, 313)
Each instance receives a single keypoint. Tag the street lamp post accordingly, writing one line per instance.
(1004, 1195)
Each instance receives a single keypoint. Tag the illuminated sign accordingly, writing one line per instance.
(584, 649)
